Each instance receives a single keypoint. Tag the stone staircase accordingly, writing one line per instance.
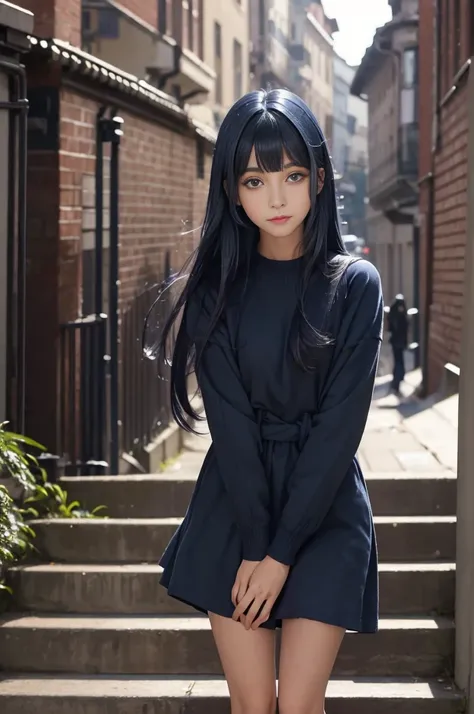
(94, 633)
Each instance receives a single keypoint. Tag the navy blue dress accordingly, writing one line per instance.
(281, 477)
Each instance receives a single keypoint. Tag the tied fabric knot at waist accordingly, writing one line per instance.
(272, 428)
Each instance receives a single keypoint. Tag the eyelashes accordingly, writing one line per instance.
(253, 183)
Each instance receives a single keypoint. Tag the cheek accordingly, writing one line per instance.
(250, 204)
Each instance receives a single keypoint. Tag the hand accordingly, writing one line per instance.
(266, 583)
(242, 580)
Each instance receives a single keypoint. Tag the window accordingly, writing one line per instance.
(351, 124)
(445, 53)
(410, 67)
(218, 61)
(237, 69)
(191, 37)
(408, 106)
(200, 160)
(164, 17)
(108, 24)
(408, 95)
(328, 70)
(86, 21)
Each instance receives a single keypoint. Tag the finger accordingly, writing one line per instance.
(244, 603)
(242, 591)
(264, 615)
(253, 612)
(235, 591)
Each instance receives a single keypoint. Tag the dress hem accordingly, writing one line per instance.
(275, 623)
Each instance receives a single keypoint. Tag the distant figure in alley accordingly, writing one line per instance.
(398, 329)
(283, 330)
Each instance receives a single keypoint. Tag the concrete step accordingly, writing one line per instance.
(167, 495)
(413, 647)
(405, 589)
(23, 694)
(406, 538)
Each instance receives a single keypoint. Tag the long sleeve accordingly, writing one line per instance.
(338, 426)
(235, 434)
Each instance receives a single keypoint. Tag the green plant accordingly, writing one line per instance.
(15, 534)
(51, 501)
(38, 498)
(15, 461)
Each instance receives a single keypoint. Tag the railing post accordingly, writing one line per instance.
(112, 132)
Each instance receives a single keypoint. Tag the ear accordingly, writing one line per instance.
(321, 178)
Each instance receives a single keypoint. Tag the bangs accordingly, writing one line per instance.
(272, 136)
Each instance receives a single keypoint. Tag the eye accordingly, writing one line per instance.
(252, 183)
(295, 177)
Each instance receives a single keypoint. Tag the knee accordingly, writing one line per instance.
(293, 706)
(253, 705)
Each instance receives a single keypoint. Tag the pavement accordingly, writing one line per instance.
(405, 433)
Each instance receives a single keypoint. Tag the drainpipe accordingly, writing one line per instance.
(430, 179)
(112, 133)
(99, 208)
(164, 78)
(100, 396)
(17, 233)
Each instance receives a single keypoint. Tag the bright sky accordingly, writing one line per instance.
(358, 20)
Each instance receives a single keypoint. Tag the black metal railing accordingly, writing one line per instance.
(408, 140)
(82, 409)
(146, 410)
(17, 108)
(401, 163)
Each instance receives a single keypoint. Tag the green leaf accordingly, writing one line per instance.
(24, 440)
(97, 509)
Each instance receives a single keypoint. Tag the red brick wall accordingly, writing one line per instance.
(160, 197)
(146, 10)
(62, 18)
(450, 191)
(450, 215)
(57, 18)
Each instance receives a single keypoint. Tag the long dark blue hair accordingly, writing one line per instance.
(272, 122)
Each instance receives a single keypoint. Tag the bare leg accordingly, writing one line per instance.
(308, 653)
(248, 661)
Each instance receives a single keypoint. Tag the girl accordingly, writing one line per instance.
(283, 330)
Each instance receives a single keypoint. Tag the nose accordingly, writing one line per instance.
(277, 197)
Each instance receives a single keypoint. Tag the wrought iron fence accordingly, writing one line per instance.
(145, 404)
(82, 409)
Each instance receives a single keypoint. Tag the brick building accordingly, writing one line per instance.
(163, 167)
(443, 177)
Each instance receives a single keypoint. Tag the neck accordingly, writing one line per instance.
(285, 248)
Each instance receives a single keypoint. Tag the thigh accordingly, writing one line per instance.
(248, 661)
(308, 653)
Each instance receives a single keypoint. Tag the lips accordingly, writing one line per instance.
(279, 219)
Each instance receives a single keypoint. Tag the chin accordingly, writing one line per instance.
(280, 231)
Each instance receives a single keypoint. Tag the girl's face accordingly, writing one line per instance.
(277, 202)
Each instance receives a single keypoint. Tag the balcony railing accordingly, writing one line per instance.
(408, 137)
(299, 53)
(402, 163)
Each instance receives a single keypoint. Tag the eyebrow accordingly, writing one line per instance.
(256, 169)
